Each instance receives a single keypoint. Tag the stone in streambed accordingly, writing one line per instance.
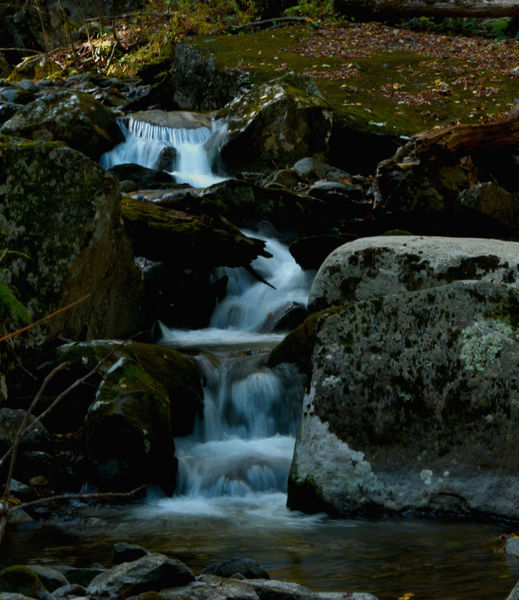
(143, 177)
(70, 591)
(243, 566)
(24, 581)
(124, 552)
(412, 405)
(152, 572)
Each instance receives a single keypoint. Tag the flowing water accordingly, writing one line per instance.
(196, 150)
(230, 499)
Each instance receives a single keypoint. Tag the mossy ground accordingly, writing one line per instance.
(381, 78)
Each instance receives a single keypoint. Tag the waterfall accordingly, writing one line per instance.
(243, 446)
(149, 145)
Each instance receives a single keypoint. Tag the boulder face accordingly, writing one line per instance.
(275, 124)
(72, 117)
(412, 405)
(383, 265)
(79, 247)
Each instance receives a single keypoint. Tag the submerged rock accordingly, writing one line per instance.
(412, 405)
(142, 176)
(243, 566)
(72, 117)
(275, 124)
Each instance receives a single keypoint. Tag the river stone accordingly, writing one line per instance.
(14, 596)
(412, 405)
(514, 594)
(68, 591)
(275, 124)
(512, 546)
(149, 573)
(51, 578)
(11, 420)
(72, 117)
(206, 587)
(22, 580)
(124, 552)
(242, 566)
(280, 590)
(143, 177)
(350, 596)
(79, 575)
(377, 266)
(175, 119)
(494, 201)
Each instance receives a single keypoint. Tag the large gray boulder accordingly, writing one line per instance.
(60, 218)
(72, 117)
(413, 405)
(381, 265)
(275, 123)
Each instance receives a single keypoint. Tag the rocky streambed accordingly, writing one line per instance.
(406, 349)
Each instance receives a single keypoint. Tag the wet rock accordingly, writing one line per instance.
(174, 119)
(310, 252)
(72, 117)
(167, 159)
(68, 591)
(331, 190)
(50, 578)
(243, 566)
(7, 110)
(275, 124)
(197, 83)
(286, 318)
(514, 594)
(314, 170)
(11, 420)
(494, 202)
(80, 575)
(14, 596)
(143, 177)
(23, 581)
(149, 573)
(382, 265)
(280, 590)
(512, 546)
(79, 248)
(349, 596)
(124, 552)
(411, 405)
(287, 178)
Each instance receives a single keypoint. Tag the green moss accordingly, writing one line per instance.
(357, 100)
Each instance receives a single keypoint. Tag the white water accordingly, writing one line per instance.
(241, 450)
(196, 150)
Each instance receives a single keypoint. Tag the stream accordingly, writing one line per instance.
(231, 493)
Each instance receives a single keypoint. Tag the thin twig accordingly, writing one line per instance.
(43, 319)
(273, 21)
(92, 496)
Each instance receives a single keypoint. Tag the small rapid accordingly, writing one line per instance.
(195, 150)
(243, 446)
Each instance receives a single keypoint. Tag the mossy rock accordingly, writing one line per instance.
(79, 248)
(72, 117)
(166, 370)
(274, 125)
(22, 580)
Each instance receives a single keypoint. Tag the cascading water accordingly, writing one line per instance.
(145, 145)
(243, 446)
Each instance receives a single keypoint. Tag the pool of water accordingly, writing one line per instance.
(389, 557)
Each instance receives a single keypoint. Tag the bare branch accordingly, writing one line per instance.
(43, 319)
(93, 496)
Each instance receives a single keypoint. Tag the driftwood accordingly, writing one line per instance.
(429, 8)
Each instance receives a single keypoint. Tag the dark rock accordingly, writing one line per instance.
(7, 110)
(196, 83)
(11, 420)
(74, 118)
(280, 590)
(124, 552)
(288, 178)
(80, 575)
(286, 318)
(50, 578)
(167, 159)
(15, 94)
(79, 248)
(493, 201)
(163, 234)
(310, 252)
(242, 566)
(142, 176)
(331, 189)
(22, 580)
(149, 573)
